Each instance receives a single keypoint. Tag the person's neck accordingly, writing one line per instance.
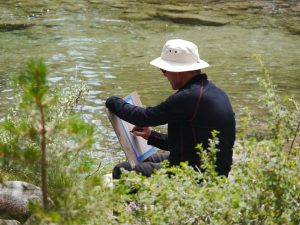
(194, 77)
(189, 76)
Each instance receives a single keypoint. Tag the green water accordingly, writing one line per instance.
(94, 42)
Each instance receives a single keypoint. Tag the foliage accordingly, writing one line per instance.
(68, 139)
(263, 186)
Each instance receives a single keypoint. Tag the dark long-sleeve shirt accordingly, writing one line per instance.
(191, 113)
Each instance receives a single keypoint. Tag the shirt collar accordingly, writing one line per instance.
(195, 79)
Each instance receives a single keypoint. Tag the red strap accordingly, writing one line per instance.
(198, 101)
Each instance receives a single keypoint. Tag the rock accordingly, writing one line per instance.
(231, 179)
(292, 24)
(294, 29)
(135, 16)
(108, 180)
(195, 19)
(296, 8)
(15, 196)
(14, 26)
(241, 5)
(177, 8)
(9, 222)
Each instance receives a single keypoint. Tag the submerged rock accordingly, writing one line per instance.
(14, 26)
(294, 28)
(296, 8)
(178, 8)
(249, 14)
(195, 19)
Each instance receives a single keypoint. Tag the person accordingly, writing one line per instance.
(196, 109)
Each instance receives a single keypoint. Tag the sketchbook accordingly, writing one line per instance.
(135, 148)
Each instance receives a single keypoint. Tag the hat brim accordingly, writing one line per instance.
(178, 67)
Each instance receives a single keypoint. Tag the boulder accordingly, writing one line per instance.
(9, 222)
(15, 196)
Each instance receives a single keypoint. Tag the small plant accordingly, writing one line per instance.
(282, 112)
(42, 123)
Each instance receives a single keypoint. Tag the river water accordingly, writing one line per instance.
(108, 45)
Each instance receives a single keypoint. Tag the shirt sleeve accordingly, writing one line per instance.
(158, 140)
(171, 110)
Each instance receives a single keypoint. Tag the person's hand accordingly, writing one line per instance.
(143, 132)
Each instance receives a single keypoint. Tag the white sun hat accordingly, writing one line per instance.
(178, 56)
